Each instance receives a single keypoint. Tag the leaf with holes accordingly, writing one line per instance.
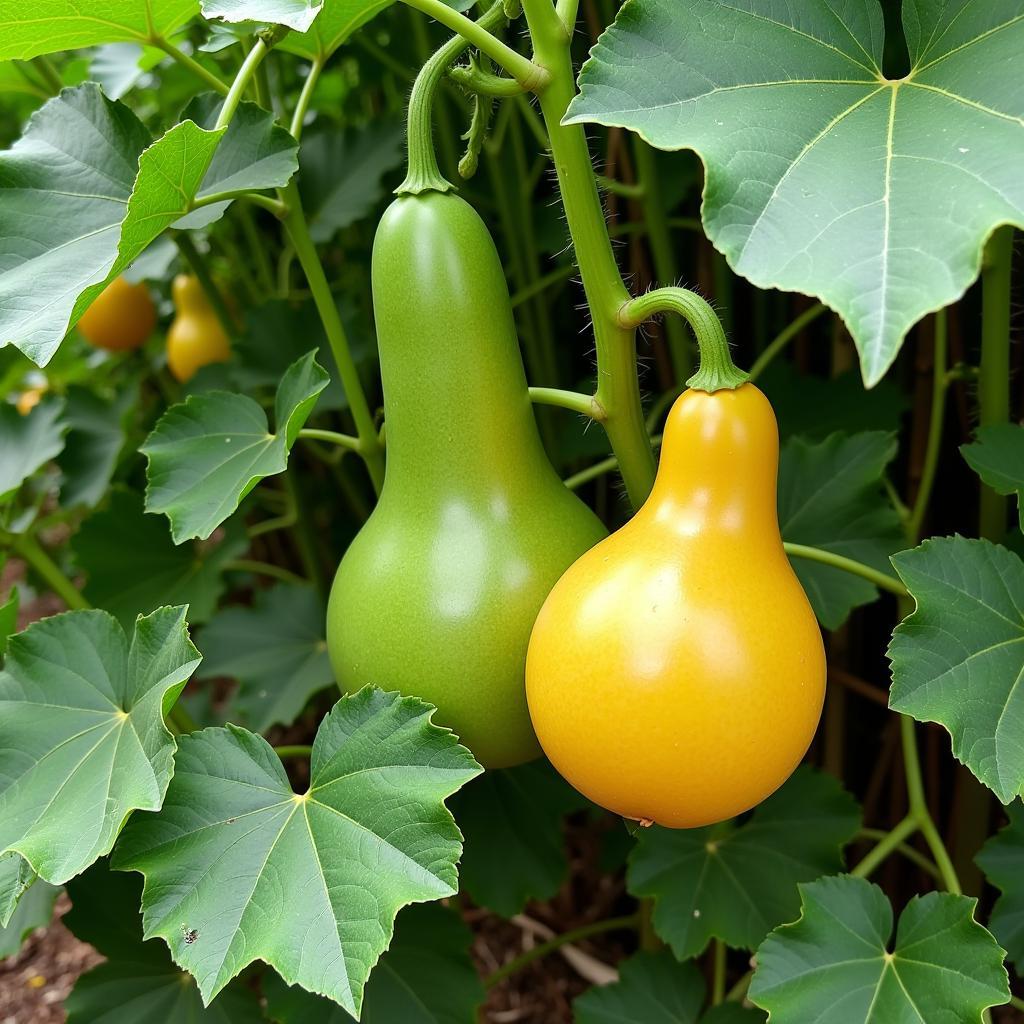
(206, 454)
(737, 882)
(82, 735)
(833, 966)
(958, 659)
(823, 176)
(240, 868)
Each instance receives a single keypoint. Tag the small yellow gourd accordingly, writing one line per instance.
(120, 318)
(676, 672)
(196, 337)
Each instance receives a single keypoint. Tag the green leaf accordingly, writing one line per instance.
(255, 153)
(425, 977)
(207, 454)
(96, 432)
(511, 819)
(27, 443)
(830, 497)
(296, 14)
(958, 659)
(997, 456)
(336, 22)
(8, 619)
(31, 909)
(823, 176)
(82, 196)
(48, 26)
(82, 735)
(832, 965)
(1002, 860)
(343, 171)
(276, 649)
(16, 875)
(308, 883)
(119, 67)
(737, 882)
(137, 974)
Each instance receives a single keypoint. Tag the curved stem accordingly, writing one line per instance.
(784, 337)
(719, 951)
(293, 750)
(240, 84)
(476, 34)
(346, 441)
(275, 206)
(299, 114)
(194, 66)
(370, 447)
(905, 850)
(423, 172)
(940, 383)
(28, 548)
(587, 405)
(473, 79)
(880, 579)
(890, 841)
(542, 950)
(717, 371)
(600, 468)
(919, 806)
(618, 389)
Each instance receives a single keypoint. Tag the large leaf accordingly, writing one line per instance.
(342, 174)
(997, 456)
(1002, 860)
(32, 908)
(82, 197)
(737, 882)
(47, 26)
(28, 442)
(958, 659)
(830, 496)
(139, 982)
(82, 735)
(654, 988)
(832, 966)
(515, 847)
(240, 868)
(296, 14)
(208, 453)
(276, 649)
(133, 566)
(425, 977)
(823, 176)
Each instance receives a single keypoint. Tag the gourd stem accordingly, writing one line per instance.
(717, 371)
(28, 548)
(880, 579)
(293, 750)
(618, 389)
(567, 11)
(587, 405)
(889, 842)
(275, 572)
(240, 84)
(473, 79)
(784, 337)
(346, 441)
(299, 114)
(940, 384)
(423, 173)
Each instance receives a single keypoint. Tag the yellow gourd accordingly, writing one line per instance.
(120, 318)
(676, 672)
(30, 398)
(196, 337)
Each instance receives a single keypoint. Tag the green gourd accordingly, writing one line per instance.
(437, 594)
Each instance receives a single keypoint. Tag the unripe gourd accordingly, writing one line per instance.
(438, 592)
(196, 337)
(120, 318)
(676, 671)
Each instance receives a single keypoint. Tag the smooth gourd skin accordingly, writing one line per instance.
(196, 337)
(676, 672)
(437, 594)
(120, 318)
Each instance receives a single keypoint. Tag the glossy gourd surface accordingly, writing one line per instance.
(196, 337)
(676, 672)
(120, 318)
(437, 594)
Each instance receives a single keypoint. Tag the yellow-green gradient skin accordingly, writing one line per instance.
(437, 594)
